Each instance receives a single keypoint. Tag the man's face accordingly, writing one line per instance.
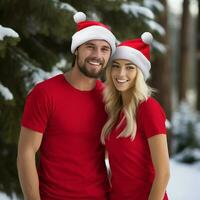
(92, 57)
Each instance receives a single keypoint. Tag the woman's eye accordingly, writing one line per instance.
(130, 67)
(116, 66)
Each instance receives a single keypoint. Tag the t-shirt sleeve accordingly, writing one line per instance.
(152, 118)
(36, 110)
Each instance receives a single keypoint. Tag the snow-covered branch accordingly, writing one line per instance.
(155, 27)
(137, 10)
(5, 31)
(159, 46)
(154, 4)
(5, 92)
(64, 6)
(39, 75)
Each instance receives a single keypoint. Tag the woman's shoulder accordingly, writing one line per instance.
(151, 117)
(150, 104)
(150, 100)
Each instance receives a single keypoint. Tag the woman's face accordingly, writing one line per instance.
(123, 74)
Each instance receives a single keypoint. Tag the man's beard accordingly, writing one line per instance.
(90, 73)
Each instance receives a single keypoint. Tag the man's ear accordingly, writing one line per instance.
(75, 53)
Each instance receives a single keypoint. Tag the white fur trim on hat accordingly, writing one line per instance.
(135, 56)
(147, 38)
(93, 33)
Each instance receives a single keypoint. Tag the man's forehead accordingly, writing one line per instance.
(98, 42)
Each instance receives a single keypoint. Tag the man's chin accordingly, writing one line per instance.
(93, 75)
(95, 72)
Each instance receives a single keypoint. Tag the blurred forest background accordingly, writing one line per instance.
(35, 39)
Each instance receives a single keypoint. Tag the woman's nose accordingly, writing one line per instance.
(122, 72)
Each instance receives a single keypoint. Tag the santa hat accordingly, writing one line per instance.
(91, 30)
(137, 51)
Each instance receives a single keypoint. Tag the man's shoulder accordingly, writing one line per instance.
(52, 80)
(48, 84)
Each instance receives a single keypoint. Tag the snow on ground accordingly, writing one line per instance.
(184, 181)
(183, 185)
(5, 197)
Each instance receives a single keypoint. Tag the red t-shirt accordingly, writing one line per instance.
(71, 162)
(130, 161)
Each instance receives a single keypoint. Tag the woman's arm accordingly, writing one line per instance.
(160, 158)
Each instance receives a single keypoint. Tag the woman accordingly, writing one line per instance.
(135, 133)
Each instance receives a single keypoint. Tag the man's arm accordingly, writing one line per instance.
(160, 158)
(29, 143)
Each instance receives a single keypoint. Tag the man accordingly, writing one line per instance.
(63, 118)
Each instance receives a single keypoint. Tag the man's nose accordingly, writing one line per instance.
(97, 53)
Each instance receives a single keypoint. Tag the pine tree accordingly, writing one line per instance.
(184, 51)
(44, 36)
(198, 59)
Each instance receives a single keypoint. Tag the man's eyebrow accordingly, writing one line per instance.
(106, 46)
(89, 43)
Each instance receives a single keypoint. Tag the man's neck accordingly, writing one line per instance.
(79, 81)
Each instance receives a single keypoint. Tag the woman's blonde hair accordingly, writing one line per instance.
(114, 104)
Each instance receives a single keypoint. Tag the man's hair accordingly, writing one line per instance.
(73, 60)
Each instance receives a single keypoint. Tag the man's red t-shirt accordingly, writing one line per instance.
(130, 161)
(71, 164)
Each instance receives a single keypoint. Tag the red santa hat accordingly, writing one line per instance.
(91, 30)
(137, 51)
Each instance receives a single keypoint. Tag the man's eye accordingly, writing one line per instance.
(105, 49)
(90, 47)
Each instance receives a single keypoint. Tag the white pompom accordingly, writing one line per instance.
(147, 37)
(79, 17)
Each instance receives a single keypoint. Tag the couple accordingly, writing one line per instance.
(65, 119)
